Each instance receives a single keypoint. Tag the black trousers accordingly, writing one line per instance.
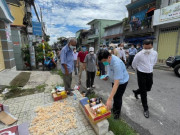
(101, 68)
(90, 79)
(118, 98)
(145, 82)
(130, 60)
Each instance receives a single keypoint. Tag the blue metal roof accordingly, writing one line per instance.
(138, 3)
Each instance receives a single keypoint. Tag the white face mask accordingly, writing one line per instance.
(91, 52)
(147, 51)
(121, 48)
(72, 47)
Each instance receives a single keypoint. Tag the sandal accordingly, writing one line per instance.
(69, 93)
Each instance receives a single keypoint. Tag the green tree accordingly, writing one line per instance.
(39, 51)
(47, 38)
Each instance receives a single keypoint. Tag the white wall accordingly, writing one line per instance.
(157, 21)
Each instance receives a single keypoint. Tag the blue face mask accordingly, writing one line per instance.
(106, 63)
(83, 49)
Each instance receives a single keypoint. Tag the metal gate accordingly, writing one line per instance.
(168, 43)
(2, 67)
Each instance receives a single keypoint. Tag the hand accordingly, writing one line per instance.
(77, 65)
(66, 72)
(109, 104)
(83, 67)
(105, 79)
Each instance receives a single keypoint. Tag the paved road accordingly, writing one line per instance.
(164, 103)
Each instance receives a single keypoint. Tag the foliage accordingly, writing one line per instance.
(125, 21)
(26, 54)
(62, 40)
(47, 38)
(39, 51)
(119, 127)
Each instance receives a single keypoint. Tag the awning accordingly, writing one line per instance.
(138, 39)
(151, 9)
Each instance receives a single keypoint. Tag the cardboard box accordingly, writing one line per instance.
(1, 107)
(10, 131)
(16, 130)
(57, 97)
(5, 116)
(95, 119)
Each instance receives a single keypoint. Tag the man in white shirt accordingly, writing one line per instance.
(144, 62)
(121, 51)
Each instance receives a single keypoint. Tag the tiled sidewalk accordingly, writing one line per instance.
(23, 109)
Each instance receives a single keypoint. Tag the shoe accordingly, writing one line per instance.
(146, 114)
(69, 93)
(88, 89)
(93, 86)
(135, 94)
(116, 116)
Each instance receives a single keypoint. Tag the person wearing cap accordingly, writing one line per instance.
(81, 56)
(118, 76)
(90, 64)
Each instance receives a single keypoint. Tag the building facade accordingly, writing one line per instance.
(139, 25)
(7, 60)
(113, 34)
(96, 32)
(18, 33)
(167, 23)
(82, 38)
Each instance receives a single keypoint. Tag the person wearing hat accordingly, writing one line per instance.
(90, 64)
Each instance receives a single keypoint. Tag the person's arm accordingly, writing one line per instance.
(155, 60)
(135, 62)
(85, 62)
(124, 55)
(136, 50)
(78, 59)
(63, 61)
(113, 92)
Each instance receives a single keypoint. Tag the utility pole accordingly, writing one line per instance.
(29, 35)
(42, 25)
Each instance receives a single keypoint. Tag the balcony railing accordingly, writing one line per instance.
(93, 33)
(139, 27)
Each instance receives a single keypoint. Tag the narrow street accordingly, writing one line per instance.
(163, 103)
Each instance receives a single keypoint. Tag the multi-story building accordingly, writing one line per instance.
(96, 32)
(113, 34)
(7, 60)
(141, 15)
(82, 37)
(167, 23)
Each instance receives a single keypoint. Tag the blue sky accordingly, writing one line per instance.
(65, 17)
